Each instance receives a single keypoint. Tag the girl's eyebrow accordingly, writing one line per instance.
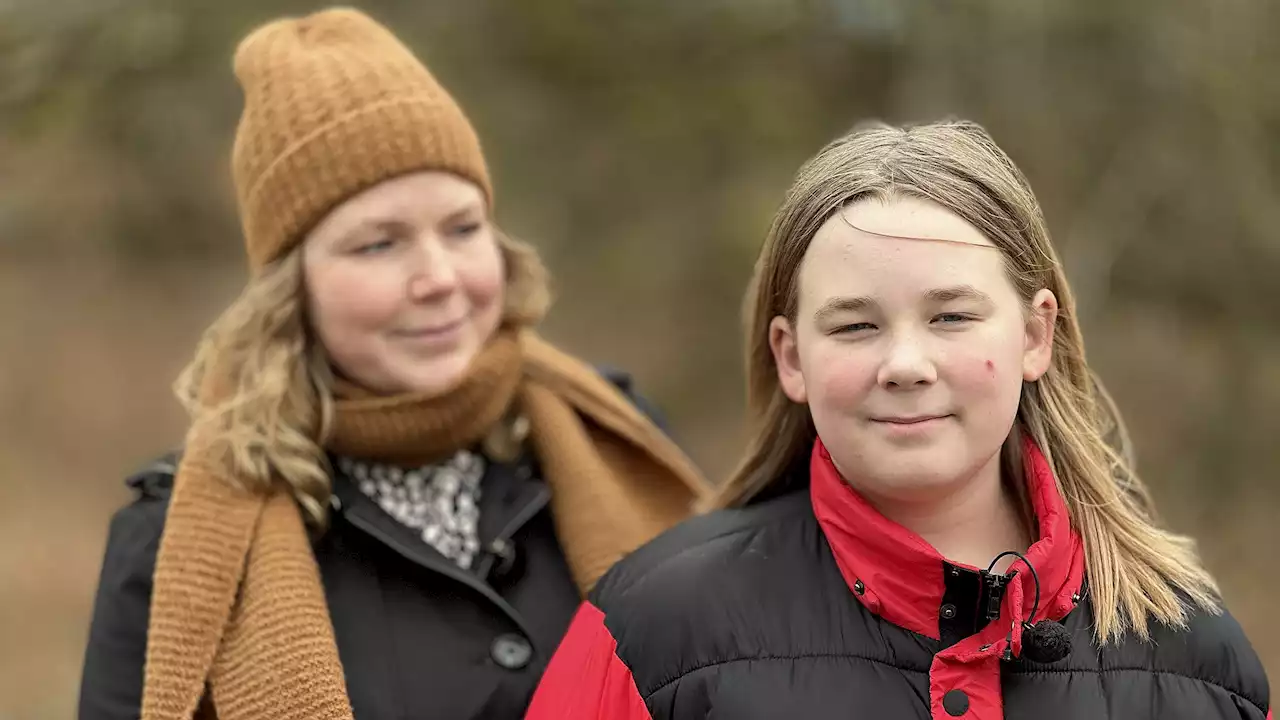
(957, 292)
(842, 304)
(850, 304)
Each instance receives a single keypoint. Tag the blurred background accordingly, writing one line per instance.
(643, 145)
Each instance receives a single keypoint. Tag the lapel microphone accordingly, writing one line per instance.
(1044, 642)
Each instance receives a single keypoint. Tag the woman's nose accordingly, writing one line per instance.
(433, 272)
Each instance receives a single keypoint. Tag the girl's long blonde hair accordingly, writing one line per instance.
(1137, 572)
(259, 389)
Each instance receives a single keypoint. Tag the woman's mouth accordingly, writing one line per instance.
(432, 333)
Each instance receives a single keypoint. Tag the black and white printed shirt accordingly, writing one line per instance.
(440, 501)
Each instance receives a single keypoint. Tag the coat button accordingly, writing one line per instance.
(956, 703)
(504, 552)
(858, 587)
(511, 651)
(948, 611)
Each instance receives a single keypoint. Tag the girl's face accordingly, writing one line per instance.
(910, 351)
(405, 283)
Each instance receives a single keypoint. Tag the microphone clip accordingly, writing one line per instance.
(1044, 642)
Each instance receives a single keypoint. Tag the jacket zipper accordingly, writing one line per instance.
(994, 586)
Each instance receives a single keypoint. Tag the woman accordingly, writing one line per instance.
(392, 494)
(929, 521)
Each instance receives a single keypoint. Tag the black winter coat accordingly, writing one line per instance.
(418, 637)
(812, 605)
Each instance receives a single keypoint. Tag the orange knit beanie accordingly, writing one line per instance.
(334, 104)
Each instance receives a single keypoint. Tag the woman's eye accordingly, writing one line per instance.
(952, 318)
(377, 246)
(465, 230)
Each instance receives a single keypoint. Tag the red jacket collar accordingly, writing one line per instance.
(899, 576)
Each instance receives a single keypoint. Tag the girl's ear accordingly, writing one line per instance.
(1038, 352)
(786, 358)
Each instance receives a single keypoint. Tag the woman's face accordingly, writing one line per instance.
(405, 283)
(910, 353)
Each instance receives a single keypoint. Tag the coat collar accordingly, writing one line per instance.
(899, 576)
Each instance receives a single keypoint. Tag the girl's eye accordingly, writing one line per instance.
(853, 328)
(952, 318)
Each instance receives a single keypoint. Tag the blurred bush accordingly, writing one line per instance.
(644, 146)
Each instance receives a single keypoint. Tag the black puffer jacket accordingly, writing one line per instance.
(418, 637)
(812, 605)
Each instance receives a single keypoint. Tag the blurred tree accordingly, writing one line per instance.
(644, 146)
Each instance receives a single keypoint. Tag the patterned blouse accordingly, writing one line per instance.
(441, 501)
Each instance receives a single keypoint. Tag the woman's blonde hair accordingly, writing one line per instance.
(259, 389)
(1136, 571)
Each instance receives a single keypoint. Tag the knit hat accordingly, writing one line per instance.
(334, 104)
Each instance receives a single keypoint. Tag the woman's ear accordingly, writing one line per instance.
(1041, 321)
(786, 357)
